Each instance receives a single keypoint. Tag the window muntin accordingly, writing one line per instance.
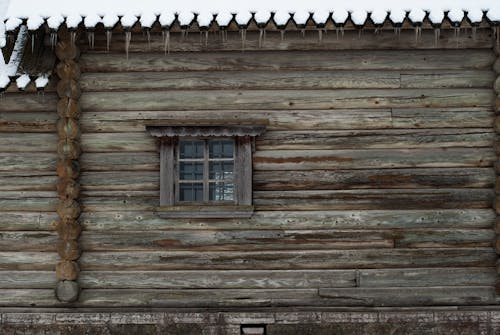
(205, 170)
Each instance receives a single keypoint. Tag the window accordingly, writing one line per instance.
(206, 168)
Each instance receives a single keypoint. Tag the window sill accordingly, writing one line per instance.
(205, 212)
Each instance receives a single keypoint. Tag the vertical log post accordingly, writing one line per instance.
(496, 87)
(68, 149)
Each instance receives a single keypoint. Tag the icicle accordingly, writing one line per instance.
(418, 33)
(320, 35)
(148, 35)
(33, 41)
(243, 38)
(128, 38)
(109, 34)
(53, 39)
(337, 32)
(437, 33)
(303, 32)
(282, 34)
(261, 36)
(91, 39)
(183, 34)
(166, 39)
(206, 37)
(397, 31)
(73, 37)
(342, 32)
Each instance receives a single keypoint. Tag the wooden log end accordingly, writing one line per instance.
(68, 69)
(68, 229)
(68, 169)
(68, 250)
(68, 88)
(67, 270)
(68, 128)
(68, 149)
(496, 85)
(67, 107)
(497, 104)
(496, 66)
(68, 209)
(65, 50)
(68, 189)
(67, 291)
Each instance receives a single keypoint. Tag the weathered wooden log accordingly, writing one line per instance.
(28, 279)
(68, 69)
(68, 149)
(66, 50)
(496, 85)
(67, 270)
(68, 229)
(68, 88)
(496, 65)
(68, 188)
(68, 128)
(67, 291)
(68, 209)
(68, 250)
(68, 168)
(67, 107)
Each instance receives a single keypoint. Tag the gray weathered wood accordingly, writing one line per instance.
(39, 221)
(28, 162)
(286, 60)
(24, 121)
(28, 142)
(28, 182)
(286, 99)
(104, 220)
(29, 102)
(27, 279)
(317, 259)
(12, 260)
(28, 241)
(31, 298)
(228, 279)
(439, 79)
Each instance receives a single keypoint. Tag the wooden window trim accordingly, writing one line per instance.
(243, 133)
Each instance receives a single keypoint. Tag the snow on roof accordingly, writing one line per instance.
(109, 12)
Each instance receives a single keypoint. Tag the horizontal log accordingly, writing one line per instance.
(372, 199)
(415, 296)
(27, 279)
(105, 220)
(289, 60)
(28, 142)
(28, 183)
(286, 99)
(28, 241)
(376, 139)
(37, 221)
(133, 121)
(340, 179)
(367, 297)
(29, 204)
(22, 121)
(237, 240)
(16, 162)
(30, 298)
(229, 279)
(119, 161)
(310, 140)
(443, 238)
(16, 102)
(427, 277)
(253, 260)
(450, 79)
(374, 158)
(30, 261)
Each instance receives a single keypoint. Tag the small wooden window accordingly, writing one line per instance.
(206, 169)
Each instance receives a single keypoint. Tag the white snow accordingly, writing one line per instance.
(23, 81)
(4, 81)
(42, 81)
(10, 69)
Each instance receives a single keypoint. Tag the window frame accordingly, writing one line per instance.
(243, 134)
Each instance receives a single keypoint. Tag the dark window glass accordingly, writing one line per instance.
(221, 148)
(191, 170)
(191, 149)
(221, 191)
(221, 169)
(191, 192)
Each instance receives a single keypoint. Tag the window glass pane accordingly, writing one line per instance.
(220, 148)
(220, 169)
(191, 192)
(221, 191)
(191, 149)
(191, 170)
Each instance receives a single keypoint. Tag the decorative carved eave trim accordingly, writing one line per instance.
(207, 128)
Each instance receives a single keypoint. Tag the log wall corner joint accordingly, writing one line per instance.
(68, 150)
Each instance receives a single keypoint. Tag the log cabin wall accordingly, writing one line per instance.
(373, 185)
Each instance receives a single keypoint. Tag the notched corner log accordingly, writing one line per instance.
(66, 50)
(68, 149)
(68, 250)
(68, 229)
(68, 69)
(67, 291)
(67, 107)
(67, 270)
(68, 128)
(68, 189)
(68, 88)
(68, 209)
(68, 168)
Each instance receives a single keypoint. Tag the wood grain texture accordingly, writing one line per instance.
(286, 99)
(289, 60)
